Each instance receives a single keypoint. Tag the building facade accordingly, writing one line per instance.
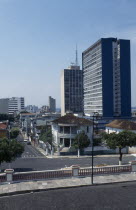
(116, 126)
(107, 78)
(52, 104)
(71, 90)
(4, 132)
(32, 108)
(4, 105)
(11, 105)
(65, 129)
(16, 104)
(44, 109)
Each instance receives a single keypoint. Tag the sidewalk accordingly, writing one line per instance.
(29, 186)
(40, 150)
(82, 156)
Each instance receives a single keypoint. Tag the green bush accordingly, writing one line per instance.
(97, 142)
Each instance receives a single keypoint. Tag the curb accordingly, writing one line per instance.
(59, 188)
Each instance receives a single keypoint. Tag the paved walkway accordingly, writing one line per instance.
(66, 182)
(83, 156)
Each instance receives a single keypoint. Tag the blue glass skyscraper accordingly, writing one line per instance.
(107, 78)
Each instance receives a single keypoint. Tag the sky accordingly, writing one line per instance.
(38, 39)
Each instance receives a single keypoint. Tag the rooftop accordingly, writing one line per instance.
(122, 124)
(3, 126)
(71, 119)
(27, 113)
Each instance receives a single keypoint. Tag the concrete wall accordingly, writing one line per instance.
(116, 130)
(112, 130)
(132, 150)
(103, 150)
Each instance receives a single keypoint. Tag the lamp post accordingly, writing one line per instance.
(51, 152)
(78, 132)
(95, 114)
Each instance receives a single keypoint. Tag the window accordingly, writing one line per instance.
(73, 130)
(61, 141)
(61, 129)
(67, 130)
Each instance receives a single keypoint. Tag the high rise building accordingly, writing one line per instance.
(11, 105)
(4, 105)
(52, 104)
(16, 104)
(107, 78)
(71, 90)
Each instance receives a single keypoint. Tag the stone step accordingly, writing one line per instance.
(65, 149)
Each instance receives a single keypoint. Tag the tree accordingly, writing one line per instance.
(6, 117)
(81, 141)
(10, 150)
(14, 133)
(42, 128)
(120, 140)
(46, 135)
(24, 112)
(97, 141)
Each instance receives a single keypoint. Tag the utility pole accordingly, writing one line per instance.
(78, 132)
(95, 114)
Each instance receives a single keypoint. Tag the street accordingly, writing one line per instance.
(32, 159)
(31, 152)
(119, 196)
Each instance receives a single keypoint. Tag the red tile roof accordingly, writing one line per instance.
(71, 119)
(122, 124)
(27, 113)
(3, 126)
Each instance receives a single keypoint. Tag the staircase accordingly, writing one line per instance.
(66, 151)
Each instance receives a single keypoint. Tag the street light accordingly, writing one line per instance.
(95, 114)
(47, 123)
(78, 132)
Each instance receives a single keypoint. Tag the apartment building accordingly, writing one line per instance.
(107, 78)
(11, 105)
(71, 90)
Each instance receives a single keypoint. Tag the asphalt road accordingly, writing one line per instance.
(27, 162)
(31, 152)
(32, 159)
(102, 197)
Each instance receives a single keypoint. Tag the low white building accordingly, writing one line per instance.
(120, 125)
(65, 129)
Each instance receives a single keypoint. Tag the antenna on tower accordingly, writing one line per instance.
(76, 62)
